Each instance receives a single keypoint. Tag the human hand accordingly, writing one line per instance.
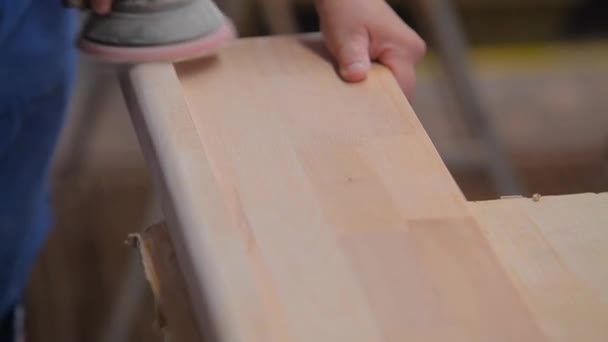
(357, 32)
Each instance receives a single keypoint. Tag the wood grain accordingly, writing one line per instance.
(304, 208)
(555, 251)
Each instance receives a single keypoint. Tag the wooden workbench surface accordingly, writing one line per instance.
(306, 209)
(556, 252)
(554, 249)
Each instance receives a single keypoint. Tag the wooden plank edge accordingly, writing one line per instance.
(174, 314)
(153, 96)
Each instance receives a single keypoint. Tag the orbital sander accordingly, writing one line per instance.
(137, 31)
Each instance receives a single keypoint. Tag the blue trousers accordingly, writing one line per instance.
(36, 72)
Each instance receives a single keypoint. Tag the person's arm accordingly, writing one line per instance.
(359, 31)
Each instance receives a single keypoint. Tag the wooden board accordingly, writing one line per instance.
(556, 253)
(307, 209)
(554, 249)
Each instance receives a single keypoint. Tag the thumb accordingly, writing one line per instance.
(352, 54)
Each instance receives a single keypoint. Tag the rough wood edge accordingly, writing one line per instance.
(175, 316)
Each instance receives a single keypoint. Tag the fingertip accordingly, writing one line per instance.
(355, 72)
(407, 83)
(408, 90)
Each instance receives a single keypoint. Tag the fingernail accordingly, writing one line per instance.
(354, 72)
(355, 67)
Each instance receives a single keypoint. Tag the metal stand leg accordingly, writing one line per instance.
(444, 28)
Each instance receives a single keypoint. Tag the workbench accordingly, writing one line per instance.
(303, 208)
(554, 249)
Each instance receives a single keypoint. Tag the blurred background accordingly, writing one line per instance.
(512, 93)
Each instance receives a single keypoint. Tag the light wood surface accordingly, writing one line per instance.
(304, 208)
(554, 249)
(100, 202)
(556, 252)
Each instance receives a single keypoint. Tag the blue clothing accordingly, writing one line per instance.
(36, 70)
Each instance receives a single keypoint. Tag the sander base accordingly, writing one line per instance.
(137, 31)
(177, 52)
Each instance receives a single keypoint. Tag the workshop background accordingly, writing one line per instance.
(512, 93)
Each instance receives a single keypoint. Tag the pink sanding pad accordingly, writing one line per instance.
(168, 53)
